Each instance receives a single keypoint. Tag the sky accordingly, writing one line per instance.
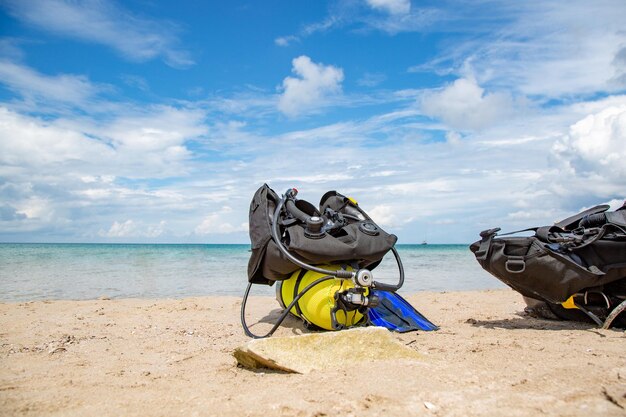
(156, 121)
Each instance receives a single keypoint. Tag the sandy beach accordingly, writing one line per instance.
(137, 357)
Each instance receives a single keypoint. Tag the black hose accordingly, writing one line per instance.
(387, 287)
(593, 220)
(283, 315)
(291, 207)
(613, 315)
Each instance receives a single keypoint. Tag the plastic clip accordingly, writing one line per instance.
(485, 243)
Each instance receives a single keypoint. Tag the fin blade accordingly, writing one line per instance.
(395, 313)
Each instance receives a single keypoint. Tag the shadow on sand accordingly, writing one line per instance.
(291, 322)
(524, 321)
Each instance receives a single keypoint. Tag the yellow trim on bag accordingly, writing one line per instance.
(569, 303)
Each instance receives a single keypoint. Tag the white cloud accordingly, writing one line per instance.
(564, 51)
(390, 16)
(391, 6)
(439, 185)
(155, 230)
(131, 229)
(142, 143)
(135, 81)
(219, 223)
(104, 23)
(315, 82)
(74, 175)
(596, 145)
(615, 204)
(407, 184)
(36, 207)
(313, 178)
(464, 105)
(542, 48)
(117, 229)
(90, 179)
(67, 88)
(286, 40)
(453, 137)
(161, 128)
(40, 146)
(388, 216)
(371, 79)
(8, 213)
(103, 170)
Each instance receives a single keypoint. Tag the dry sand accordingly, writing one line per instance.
(174, 357)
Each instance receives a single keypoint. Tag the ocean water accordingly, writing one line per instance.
(88, 271)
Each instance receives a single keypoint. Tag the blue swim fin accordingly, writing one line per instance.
(395, 313)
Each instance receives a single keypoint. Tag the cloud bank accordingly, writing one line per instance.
(596, 146)
(519, 128)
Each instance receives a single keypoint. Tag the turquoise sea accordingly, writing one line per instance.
(88, 271)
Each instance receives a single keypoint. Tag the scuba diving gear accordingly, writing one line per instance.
(577, 266)
(395, 313)
(330, 252)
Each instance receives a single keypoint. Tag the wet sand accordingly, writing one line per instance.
(174, 357)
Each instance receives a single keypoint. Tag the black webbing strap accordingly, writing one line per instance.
(530, 229)
(573, 220)
(543, 233)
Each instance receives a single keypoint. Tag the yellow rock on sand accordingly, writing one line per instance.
(304, 353)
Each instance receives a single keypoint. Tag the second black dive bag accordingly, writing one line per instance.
(584, 251)
(583, 255)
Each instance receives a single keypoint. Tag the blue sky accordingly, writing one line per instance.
(155, 121)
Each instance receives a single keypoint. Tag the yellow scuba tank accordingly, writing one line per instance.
(318, 304)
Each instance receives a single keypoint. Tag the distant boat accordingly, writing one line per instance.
(424, 242)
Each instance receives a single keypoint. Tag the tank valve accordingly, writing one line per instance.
(313, 227)
(364, 278)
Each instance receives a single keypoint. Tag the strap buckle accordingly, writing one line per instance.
(515, 265)
(485, 243)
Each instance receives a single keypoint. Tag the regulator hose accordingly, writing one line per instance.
(284, 313)
(593, 220)
(387, 287)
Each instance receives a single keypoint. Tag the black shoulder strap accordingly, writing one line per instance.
(544, 233)
(573, 220)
